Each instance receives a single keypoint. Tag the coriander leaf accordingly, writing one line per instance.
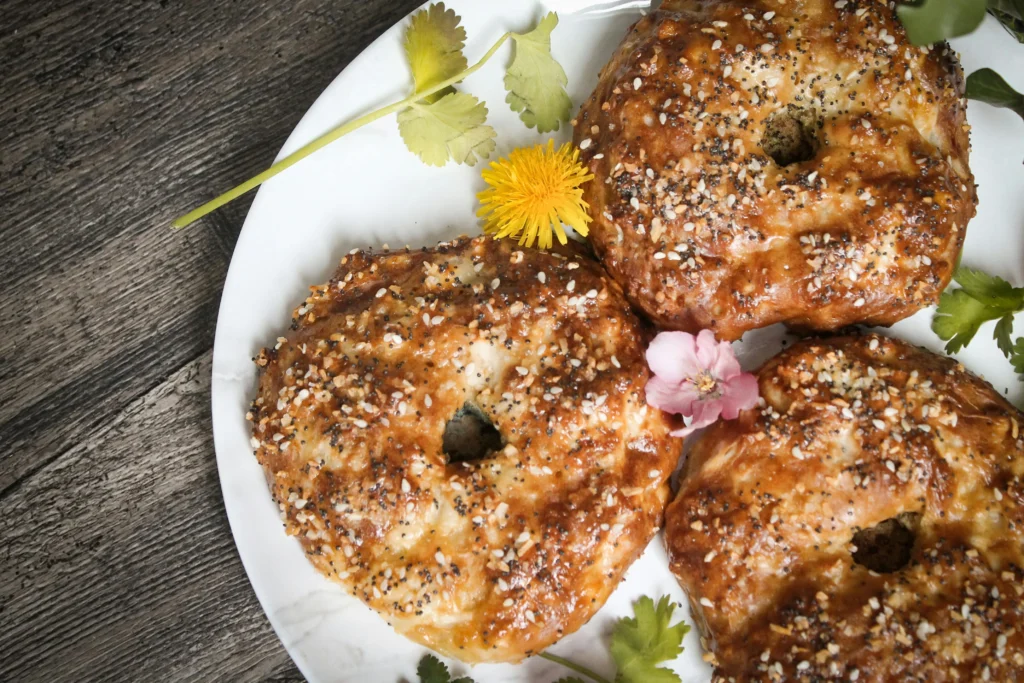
(981, 297)
(451, 129)
(985, 85)
(990, 290)
(1017, 359)
(433, 46)
(432, 670)
(958, 318)
(639, 644)
(1004, 328)
(930, 21)
(535, 81)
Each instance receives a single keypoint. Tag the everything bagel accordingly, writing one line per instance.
(763, 162)
(865, 524)
(459, 437)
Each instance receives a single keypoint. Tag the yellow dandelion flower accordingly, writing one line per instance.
(534, 192)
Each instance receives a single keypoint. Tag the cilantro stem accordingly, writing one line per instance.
(574, 666)
(331, 136)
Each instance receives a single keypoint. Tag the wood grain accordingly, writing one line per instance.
(117, 563)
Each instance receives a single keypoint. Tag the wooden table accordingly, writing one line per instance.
(116, 561)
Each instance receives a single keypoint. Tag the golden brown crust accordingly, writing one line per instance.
(703, 229)
(485, 560)
(856, 431)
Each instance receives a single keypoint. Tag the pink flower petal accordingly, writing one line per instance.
(677, 359)
(673, 356)
(705, 413)
(725, 365)
(672, 397)
(707, 349)
(739, 393)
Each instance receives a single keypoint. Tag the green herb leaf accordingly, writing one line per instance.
(432, 670)
(639, 644)
(1004, 328)
(451, 129)
(958, 318)
(1017, 359)
(985, 85)
(933, 20)
(535, 81)
(570, 679)
(981, 297)
(433, 46)
(990, 290)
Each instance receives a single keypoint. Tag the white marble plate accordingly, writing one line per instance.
(367, 190)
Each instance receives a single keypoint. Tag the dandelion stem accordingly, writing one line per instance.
(331, 136)
(574, 666)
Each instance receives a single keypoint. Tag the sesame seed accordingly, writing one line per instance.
(715, 45)
(381, 292)
(586, 143)
(522, 371)
(637, 83)
(706, 603)
(859, 302)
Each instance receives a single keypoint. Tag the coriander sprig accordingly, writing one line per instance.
(436, 122)
(640, 644)
(432, 670)
(980, 299)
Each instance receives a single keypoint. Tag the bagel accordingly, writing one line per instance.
(767, 161)
(459, 437)
(866, 523)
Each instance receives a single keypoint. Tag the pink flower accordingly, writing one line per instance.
(697, 377)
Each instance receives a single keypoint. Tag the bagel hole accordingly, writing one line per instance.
(470, 435)
(790, 136)
(887, 546)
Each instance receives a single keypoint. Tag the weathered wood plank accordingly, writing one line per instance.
(115, 118)
(117, 562)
